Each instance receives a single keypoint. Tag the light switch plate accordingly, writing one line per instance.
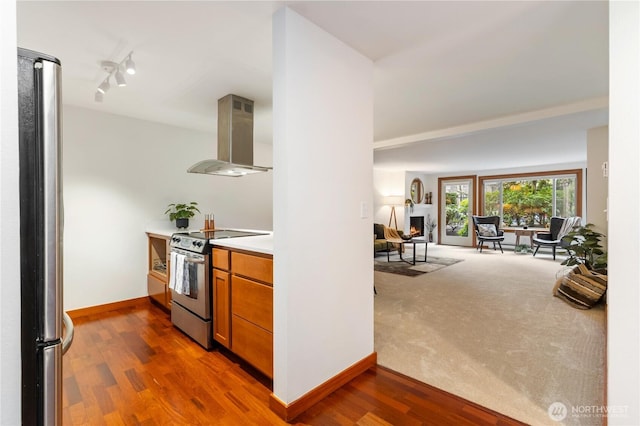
(364, 210)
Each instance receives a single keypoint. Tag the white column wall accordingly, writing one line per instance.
(623, 295)
(10, 384)
(323, 174)
(596, 182)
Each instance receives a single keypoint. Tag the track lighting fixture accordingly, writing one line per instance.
(115, 69)
(104, 86)
(129, 65)
(120, 79)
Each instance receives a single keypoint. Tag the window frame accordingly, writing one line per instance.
(551, 174)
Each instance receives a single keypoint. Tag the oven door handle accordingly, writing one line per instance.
(194, 260)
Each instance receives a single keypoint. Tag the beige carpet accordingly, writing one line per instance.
(488, 329)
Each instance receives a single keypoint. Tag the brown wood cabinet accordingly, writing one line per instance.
(243, 305)
(158, 270)
(221, 297)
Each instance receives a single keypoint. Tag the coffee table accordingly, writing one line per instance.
(412, 242)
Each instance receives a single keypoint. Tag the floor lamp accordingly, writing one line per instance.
(393, 201)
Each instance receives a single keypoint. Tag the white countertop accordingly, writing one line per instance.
(258, 243)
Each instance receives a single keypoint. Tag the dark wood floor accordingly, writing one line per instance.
(132, 367)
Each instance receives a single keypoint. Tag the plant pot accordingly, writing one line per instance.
(430, 237)
(182, 223)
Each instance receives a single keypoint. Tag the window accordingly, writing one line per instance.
(532, 199)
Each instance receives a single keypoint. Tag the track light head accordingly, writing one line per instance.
(130, 66)
(116, 70)
(104, 86)
(120, 79)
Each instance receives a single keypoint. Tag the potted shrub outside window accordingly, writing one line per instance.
(181, 213)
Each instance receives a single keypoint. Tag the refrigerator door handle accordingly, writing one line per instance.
(68, 335)
(50, 76)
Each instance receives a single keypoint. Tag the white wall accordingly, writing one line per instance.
(597, 193)
(387, 183)
(323, 162)
(623, 295)
(10, 403)
(119, 175)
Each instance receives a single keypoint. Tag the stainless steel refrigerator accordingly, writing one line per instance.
(41, 228)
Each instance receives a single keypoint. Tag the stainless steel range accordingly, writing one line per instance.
(190, 281)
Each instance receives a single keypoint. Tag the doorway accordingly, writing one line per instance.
(456, 207)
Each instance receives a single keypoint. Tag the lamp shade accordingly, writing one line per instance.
(393, 200)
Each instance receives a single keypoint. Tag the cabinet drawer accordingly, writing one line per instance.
(157, 289)
(256, 267)
(252, 301)
(220, 258)
(253, 344)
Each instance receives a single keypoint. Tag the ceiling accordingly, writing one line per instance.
(463, 76)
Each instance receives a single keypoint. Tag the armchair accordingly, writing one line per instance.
(380, 233)
(558, 228)
(488, 229)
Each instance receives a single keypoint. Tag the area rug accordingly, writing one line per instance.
(396, 266)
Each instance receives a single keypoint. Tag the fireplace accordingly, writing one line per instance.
(416, 226)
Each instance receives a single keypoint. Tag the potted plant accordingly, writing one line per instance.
(181, 213)
(583, 247)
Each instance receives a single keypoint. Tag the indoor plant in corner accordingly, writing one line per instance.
(586, 283)
(181, 213)
(583, 247)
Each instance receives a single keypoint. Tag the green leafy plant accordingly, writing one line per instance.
(182, 211)
(522, 248)
(583, 247)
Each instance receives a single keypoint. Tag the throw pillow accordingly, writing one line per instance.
(487, 230)
(581, 288)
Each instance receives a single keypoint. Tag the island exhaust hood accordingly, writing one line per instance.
(235, 140)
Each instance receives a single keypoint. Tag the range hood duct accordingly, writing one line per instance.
(235, 140)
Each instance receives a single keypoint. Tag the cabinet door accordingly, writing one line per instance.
(156, 289)
(221, 308)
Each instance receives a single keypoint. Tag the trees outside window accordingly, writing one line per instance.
(531, 200)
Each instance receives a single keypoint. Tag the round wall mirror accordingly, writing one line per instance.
(417, 191)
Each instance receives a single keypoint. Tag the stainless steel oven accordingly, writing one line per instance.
(190, 283)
